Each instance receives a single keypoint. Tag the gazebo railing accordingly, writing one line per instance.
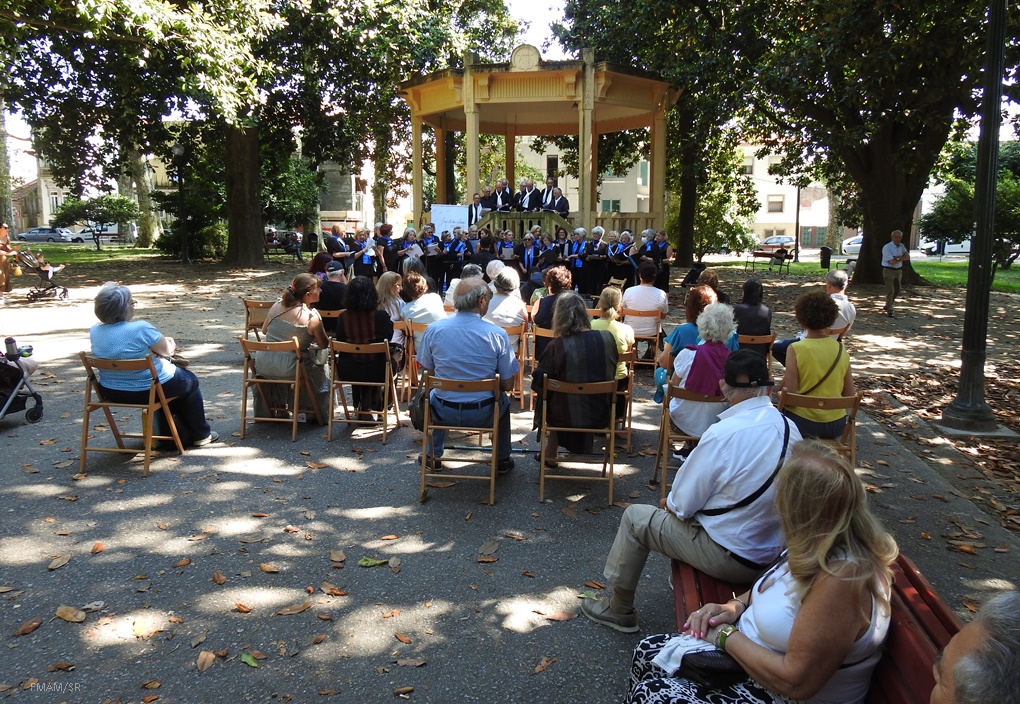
(635, 222)
(519, 223)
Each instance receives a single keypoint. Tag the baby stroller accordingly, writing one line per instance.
(14, 387)
(48, 289)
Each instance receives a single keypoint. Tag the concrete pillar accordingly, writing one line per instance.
(417, 172)
(657, 169)
(510, 154)
(585, 158)
(441, 196)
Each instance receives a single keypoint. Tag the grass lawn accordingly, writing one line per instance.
(79, 255)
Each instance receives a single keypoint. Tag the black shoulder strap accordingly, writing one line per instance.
(764, 487)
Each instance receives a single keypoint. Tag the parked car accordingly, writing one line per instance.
(777, 241)
(937, 248)
(49, 234)
(852, 245)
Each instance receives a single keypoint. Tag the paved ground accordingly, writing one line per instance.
(149, 549)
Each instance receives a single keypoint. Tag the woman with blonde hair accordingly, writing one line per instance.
(388, 288)
(812, 627)
(610, 303)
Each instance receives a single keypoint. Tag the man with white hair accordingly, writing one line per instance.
(504, 197)
(981, 663)
(719, 517)
(465, 347)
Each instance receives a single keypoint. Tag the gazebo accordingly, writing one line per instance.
(532, 97)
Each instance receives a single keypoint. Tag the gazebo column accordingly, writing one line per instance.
(417, 196)
(470, 130)
(585, 132)
(510, 154)
(441, 195)
(657, 168)
(596, 207)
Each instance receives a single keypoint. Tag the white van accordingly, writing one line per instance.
(933, 249)
(110, 232)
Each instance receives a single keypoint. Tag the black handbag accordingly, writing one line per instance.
(416, 408)
(711, 668)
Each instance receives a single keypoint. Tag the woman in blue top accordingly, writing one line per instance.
(118, 336)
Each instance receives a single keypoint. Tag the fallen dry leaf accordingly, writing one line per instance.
(316, 465)
(319, 638)
(402, 690)
(389, 537)
(61, 666)
(59, 562)
(391, 614)
(440, 485)
(526, 573)
(151, 684)
(266, 567)
(242, 608)
(294, 609)
(337, 556)
(291, 529)
(485, 559)
(402, 638)
(28, 626)
(98, 547)
(149, 699)
(595, 585)
(562, 616)
(410, 662)
(219, 578)
(260, 515)
(489, 547)
(205, 660)
(543, 665)
(183, 563)
(71, 614)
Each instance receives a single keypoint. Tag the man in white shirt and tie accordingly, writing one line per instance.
(475, 210)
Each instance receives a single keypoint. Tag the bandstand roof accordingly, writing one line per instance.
(528, 96)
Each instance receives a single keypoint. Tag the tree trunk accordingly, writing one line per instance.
(885, 210)
(834, 229)
(245, 234)
(688, 187)
(450, 145)
(6, 202)
(148, 224)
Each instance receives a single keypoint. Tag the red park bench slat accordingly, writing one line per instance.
(921, 625)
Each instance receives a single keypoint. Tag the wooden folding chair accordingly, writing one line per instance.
(277, 414)
(625, 421)
(388, 386)
(518, 390)
(403, 378)
(428, 456)
(411, 362)
(652, 340)
(743, 340)
(94, 401)
(669, 433)
(255, 314)
(594, 313)
(331, 314)
(846, 444)
(607, 388)
(537, 332)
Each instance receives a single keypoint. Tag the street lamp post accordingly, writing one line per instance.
(179, 151)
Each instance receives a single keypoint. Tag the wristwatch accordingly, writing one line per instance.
(724, 633)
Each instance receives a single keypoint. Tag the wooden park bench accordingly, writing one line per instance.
(753, 257)
(921, 625)
(270, 248)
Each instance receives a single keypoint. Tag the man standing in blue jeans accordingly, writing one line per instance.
(894, 253)
(467, 348)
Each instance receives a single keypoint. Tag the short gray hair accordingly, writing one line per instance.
(580, 231)
(507, 280)
(598, 230)
(410, 230)
(471, 271)
(837, 278)
(469, 292)
(649, 232)
(493, 268)
(715, 324)
(113, 303)
(991, 672)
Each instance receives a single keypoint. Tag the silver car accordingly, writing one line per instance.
(48, 234)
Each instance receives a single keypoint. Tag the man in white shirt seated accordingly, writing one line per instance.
(646, 297)
(719, 516)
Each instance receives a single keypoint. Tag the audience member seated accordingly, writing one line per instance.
(470, 271)
(835, 286)
(817, 366)
(422, 306)
(362, 323)
(753, 316)
(318, 265)
(702, 523)
(465, 347)
(119, 336)
(982, 662)
(576, 355)
(812, 627)
(698, 298)
(709, 277)
(506, 309)
(416, 265)
(558, 280)
(293, 316)
(610, 303)
(332, 292)
(645, 296)
(700, 368)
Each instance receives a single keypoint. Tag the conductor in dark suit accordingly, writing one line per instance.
(559, 204)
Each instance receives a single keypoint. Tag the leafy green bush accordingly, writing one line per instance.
(208, 243)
